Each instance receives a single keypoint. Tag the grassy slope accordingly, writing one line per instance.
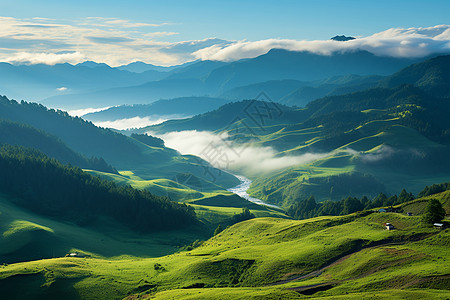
(282, 184)
(26, 236)
(212, 205)
(242, 260)
(156, 163)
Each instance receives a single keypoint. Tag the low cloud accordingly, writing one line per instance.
(218, 152)
(115, 22)
(46, 58)
(62, 89)
(136, 122)
(195, 45)
(385, 153)
(109, 40)
(396, 42)
(85, 111)
(39, 40)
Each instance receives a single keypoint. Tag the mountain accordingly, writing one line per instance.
(92, 64)
(180, 107)
(433, 76)
(280, 64)
(338, 85)
(342, 38)
(140, 67)
(371, 141)
(140, 94)
(214, 78)
(221, 118)
(20, 134)
(198, 70)
(275, 89)
(36, 82)
(124, 153)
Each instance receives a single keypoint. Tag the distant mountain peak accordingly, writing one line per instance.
(92, 64)
(342, 38)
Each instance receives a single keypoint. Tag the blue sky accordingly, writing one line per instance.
(252, 20)
(181, 21)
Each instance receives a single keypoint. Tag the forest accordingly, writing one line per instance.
(45, 186)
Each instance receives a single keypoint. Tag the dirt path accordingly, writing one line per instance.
(339, 260)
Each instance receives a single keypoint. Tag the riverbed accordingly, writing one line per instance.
(241, 190)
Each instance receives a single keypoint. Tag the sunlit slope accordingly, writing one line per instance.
(251, 255)
(212, 205)
(386, 161)
(27, 236)
(375, 140)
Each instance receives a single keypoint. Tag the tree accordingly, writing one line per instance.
(244, 215)
(434, 212)
(351, 205)
(404, 197)
(218, 230)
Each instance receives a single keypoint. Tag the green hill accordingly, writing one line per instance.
(123, 152)
(432, 75)
(349, 257)
(371, 141)
(66, 193)
(12, 133)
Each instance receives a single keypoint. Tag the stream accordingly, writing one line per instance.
(241, 190)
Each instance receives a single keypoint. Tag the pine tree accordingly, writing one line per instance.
(434, 212)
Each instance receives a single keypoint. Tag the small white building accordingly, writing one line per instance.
(389, 226)
(439, 225)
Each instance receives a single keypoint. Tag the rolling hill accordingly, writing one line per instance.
(179, 107)
(12, 133)
(122, 152)
(346, 257)
(371, 141)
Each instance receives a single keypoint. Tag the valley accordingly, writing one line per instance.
(297, 172)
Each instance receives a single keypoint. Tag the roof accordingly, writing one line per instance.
(438, 224)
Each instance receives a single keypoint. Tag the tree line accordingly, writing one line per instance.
(309, 208)
(46, 186)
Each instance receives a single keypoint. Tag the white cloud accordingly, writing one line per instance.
(397, 42)
(136, 122)
(62, 89)
(114, 22)
(217, 151)
(45, 58)
(118, 42)
(32, 41)
(85, 111)
(160, 34)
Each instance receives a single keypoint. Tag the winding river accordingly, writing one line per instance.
(241, 190)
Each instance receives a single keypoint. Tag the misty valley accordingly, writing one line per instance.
(272, 169)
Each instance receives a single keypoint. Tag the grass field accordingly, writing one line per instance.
(245, 259)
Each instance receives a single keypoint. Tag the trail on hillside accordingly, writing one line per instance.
(339, 260)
